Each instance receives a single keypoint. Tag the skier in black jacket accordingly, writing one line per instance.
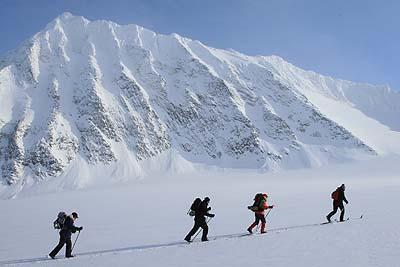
(65, 236)
(200, 220)
(338, 198)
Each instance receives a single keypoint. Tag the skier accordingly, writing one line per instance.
(65, 236)
(338, 198)
(200, 213)
(259, 206)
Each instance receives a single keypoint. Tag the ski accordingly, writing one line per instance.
(345, 220)
(350, 219)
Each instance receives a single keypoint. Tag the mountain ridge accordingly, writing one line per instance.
(100, 93)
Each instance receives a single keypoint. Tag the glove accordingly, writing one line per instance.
(80, 228)
(249, 207)
(209, 208)
(272, 206)
(212, 215)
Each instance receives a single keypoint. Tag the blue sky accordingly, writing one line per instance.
(356, 40)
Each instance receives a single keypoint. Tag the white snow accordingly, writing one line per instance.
(143, 223)
(369, 112)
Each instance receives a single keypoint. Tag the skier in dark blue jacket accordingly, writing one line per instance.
(65, 236)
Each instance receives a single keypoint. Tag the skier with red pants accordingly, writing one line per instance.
(259, 207)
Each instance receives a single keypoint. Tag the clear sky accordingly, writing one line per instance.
(357, 40)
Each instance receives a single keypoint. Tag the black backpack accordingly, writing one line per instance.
(59, 222)
(195, 206)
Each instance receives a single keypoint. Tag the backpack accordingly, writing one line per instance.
(59, 222)
(258, 202)
(195, 206)
(335, 195)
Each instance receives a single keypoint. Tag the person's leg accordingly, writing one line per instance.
(204, 226)
(254, 224)
(61, 243)
(193, 231)
(263, 222)
(68, 249)
(341, 212)
(333, 212)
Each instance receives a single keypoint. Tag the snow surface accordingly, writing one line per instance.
(143, 223)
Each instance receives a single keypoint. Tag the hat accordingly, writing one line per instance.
(207, 199)
(75, 215)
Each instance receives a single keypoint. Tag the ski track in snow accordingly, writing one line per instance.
(119, 230)
(166, 245)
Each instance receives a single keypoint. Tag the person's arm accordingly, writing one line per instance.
(206, 213)
(70, 226)
(344, 199)
(77, 228)
(265, 206)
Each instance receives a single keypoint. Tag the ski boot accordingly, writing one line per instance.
(329, 219)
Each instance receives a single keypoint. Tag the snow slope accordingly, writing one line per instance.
(85, 103)
(370, 112)
(143, 224)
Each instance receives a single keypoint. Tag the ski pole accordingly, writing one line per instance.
(75, 241)
(268, 213)
(198, 232)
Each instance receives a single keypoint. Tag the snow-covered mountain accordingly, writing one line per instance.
(82, 100)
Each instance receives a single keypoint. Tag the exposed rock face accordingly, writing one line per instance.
(81, 89)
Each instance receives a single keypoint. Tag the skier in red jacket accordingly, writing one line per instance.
(259, 207)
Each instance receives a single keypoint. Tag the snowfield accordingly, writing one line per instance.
(143, 223)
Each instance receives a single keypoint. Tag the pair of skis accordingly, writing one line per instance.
(348, 219)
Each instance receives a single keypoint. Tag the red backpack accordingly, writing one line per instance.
(335, 195)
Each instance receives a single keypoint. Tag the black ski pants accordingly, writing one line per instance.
(337, 205)
(200, 223)
(63, 240)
